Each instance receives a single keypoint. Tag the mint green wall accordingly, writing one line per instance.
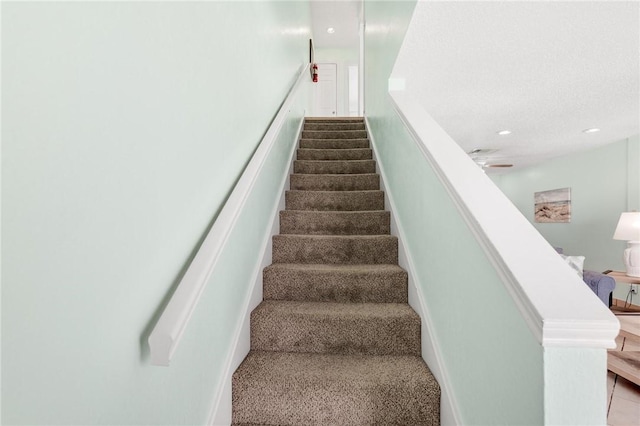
(581, 400)
(486, 348)
(125, 127)
(385, 26)
(604, 182)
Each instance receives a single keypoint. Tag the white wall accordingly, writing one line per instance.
(125, 127)
(604, 182)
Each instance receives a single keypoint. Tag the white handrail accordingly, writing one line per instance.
(168, 331)
(532, 272)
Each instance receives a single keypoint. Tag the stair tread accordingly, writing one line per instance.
(337, 167)
(337, 268)
(329, 222)
(334, 149)
(334, 126)
(334, 119)
(343, 249)
(334, 327)
(335, 182)
(338, 237)
(348, 132)
(328, 143)
(336, 162)
(320, 175)
(343, 141)
(334, 134)
(329, 192)
(373, 283)
(349, 369)
(329, 154)
(315, 388)
(336, 309)
(337, 212)
(334, 200)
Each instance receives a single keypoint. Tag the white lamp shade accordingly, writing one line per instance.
(628, 228)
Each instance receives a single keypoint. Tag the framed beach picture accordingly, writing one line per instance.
(553, 206)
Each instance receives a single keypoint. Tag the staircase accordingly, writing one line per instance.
(334, 342)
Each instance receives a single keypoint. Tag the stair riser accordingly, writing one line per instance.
(333, 120)
(303, 331)
(334, 143)
(335, 154)
(362, 407)
(334, 167)
(334, 223)
(335, 250)
(334, 200)
(331, 134)
(362, 182)
(329, 286)
(334, 126)
(403, 393)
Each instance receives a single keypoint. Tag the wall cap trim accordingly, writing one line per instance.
(534, 275)
(166, 335)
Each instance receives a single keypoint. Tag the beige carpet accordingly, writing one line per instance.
(334, 342)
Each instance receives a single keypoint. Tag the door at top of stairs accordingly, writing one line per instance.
(325, 91)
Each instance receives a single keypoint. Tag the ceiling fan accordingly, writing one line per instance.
(481, 157)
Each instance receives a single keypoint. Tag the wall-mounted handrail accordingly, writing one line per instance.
(527, 264)
(168, 331)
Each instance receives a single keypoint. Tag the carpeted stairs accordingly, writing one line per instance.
(334, 342)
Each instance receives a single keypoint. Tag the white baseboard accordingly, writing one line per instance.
(220, 414)
(431, 353)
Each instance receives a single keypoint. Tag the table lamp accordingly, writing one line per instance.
(628, 229)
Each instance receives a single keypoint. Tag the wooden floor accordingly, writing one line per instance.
(623, 380)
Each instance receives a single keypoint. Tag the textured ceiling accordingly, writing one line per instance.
(546, 70)
(343, 16)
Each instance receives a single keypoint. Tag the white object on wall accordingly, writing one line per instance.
(168, 331)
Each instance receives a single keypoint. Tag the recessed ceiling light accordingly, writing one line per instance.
(331, 30)
(592, 130)
(504, 132)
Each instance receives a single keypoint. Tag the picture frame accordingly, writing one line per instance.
(553, 206)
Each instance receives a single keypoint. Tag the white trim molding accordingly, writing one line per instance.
(221, 408)
(530, 269)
